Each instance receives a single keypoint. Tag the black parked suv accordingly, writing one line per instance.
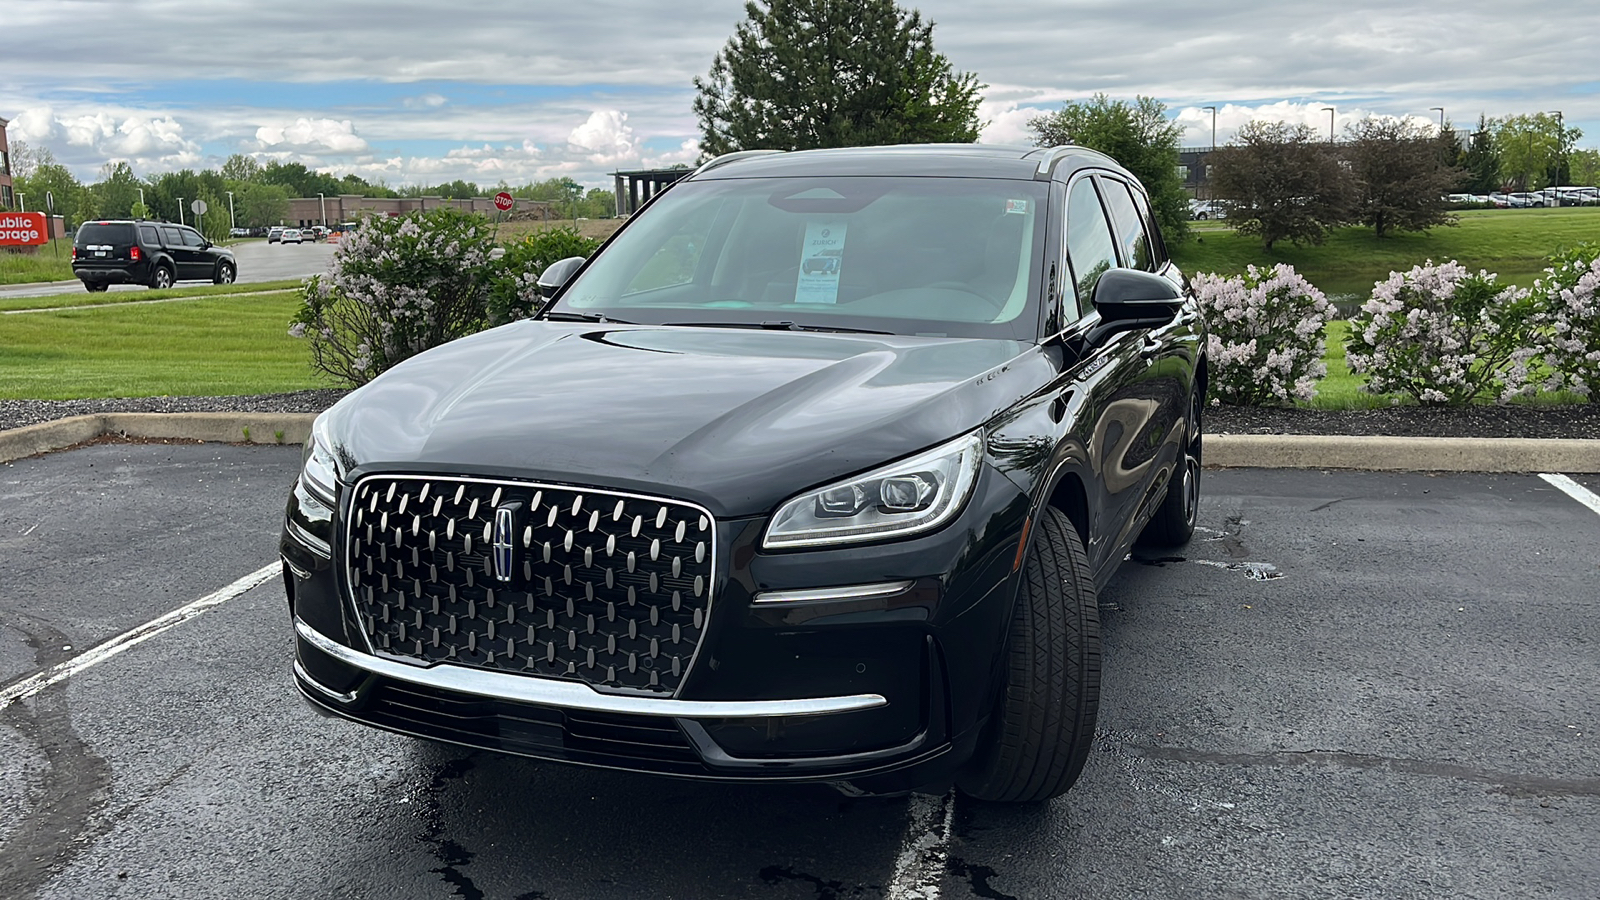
(149, 253)
(721, 512)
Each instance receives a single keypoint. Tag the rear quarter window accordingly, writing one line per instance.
(105, 233)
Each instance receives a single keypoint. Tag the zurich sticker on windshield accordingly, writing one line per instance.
(821, 256)
(1020, 207)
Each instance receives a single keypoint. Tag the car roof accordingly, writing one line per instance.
(934, 160)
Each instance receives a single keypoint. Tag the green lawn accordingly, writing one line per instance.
(1511, 242)
(88, 299)
(51, 262)
(206, 347)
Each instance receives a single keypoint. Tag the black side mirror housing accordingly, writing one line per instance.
(1128, 298)
(558, 274)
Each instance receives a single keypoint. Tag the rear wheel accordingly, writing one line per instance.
(161, 278)
(1173, 523)
(1042, 727)
(94, 287)
(225, 273)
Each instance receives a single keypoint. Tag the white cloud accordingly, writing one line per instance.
(140, 138)
(687, 153)
(425, 101)
(1230, 117)
(338, 137)
(605, 137)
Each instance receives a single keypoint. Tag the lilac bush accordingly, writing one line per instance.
(1568, 320)
(1265, 344)
(397, 286)
(1443, 335)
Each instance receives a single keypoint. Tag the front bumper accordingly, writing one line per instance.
(888, 690)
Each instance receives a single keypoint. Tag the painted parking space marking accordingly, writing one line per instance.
(59, 672)
(1574, 490)
(919, 867)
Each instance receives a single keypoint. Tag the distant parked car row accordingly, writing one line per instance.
(1551, 196)
(279, 234)
(1206, 209)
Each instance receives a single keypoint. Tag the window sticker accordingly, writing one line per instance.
(1019, 207)
(821, 257)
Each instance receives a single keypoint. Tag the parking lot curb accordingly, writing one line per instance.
(222, 427)
(1265, 451)
(1405, 454)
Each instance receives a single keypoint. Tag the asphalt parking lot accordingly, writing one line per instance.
(1350, 685)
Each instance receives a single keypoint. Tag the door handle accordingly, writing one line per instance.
(1150, 348)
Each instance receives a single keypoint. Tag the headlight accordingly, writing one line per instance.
(319, 469)
(904, 498)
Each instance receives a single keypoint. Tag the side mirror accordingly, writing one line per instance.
(1128, 298)
(558, 274)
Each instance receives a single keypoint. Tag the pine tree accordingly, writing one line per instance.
(804, 74)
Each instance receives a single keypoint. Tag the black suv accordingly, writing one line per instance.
(150, 253)
(719, 511)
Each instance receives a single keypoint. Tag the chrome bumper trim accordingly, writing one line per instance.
(308, 540)
(320, 688)
(851, 592)
(571, 695)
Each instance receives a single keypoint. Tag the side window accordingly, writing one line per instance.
(171, 236)
(1134, 243)
(149, 235)
(192, 238)
(1158, 247)
(1090, 247)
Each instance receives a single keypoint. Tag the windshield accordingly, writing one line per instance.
(926, 256)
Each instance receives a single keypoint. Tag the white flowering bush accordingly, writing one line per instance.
(1444, 335)
(397, 286)
(1568, 321)
(1265, 343)
(514, 292)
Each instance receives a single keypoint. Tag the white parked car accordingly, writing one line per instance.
(291, 236)
(1206, 209)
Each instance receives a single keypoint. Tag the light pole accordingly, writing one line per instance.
(1329, 111)
(1561, 152)
(180, 212)
(141, 201)
(231, 223)
(1440, 111)
(1213, 125)
(324, 202)
(21, 206)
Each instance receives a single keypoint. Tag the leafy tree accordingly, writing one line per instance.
(48, 178)
(1282, 182)
(259, 205)
(1533, 149)
(1481, 161)
(241, 168)
(114, 195)
(1400, 178)
(1139, 136)
(25, 156)
(803, 74)
(1585, 166)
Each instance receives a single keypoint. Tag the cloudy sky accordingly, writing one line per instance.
(521, 90)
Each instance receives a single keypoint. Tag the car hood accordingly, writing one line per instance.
(734, 419)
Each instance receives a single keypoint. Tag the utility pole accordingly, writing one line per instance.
(1440, 110)
(180, 212)
(231, 223)
(1329, 111)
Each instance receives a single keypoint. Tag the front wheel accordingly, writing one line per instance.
(161, 278)
(1173, 523)
(225, 274)
(1042, 727)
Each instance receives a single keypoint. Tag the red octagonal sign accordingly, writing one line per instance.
(503, 201)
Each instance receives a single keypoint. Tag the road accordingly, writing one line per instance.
(1350, 684)
(258, 261)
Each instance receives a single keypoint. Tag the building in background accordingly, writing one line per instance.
(7, 195)
(305, 212)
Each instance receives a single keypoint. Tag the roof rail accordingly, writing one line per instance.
(726, 158)
(1052, 156)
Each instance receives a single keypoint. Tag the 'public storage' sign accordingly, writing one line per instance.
(22, 229)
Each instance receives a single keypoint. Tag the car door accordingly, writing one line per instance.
(1166, 353)
(196, 262)
(172, 245)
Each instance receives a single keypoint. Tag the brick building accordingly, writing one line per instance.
(307, 211)
(7, 195)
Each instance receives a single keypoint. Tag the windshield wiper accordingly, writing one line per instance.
(778, 326)
(563, 316)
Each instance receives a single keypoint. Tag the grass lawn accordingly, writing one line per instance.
(1511, 242)
(205, 347)
(88, 299)
(51, 262)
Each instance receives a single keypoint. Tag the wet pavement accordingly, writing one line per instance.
(1350, 684)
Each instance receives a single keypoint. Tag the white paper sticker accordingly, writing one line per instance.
(821, 257)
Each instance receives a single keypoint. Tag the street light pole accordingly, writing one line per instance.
(231, 223)
(324, 202)
(1440, 110)
(21, 205)
(1329, 111)
(141, 201)
(180, 212)
(1213, 125)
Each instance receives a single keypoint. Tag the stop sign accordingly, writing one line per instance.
(503, 201)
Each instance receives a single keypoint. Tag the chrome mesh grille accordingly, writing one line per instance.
(609, 589)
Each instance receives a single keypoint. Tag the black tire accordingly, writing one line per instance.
(1173, 523)
(161, 278)
(95, 287)
(225, 273)
(1042, 727)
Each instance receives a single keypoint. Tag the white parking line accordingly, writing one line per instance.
(1575, 490)
(27, 687)
(919, 869)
